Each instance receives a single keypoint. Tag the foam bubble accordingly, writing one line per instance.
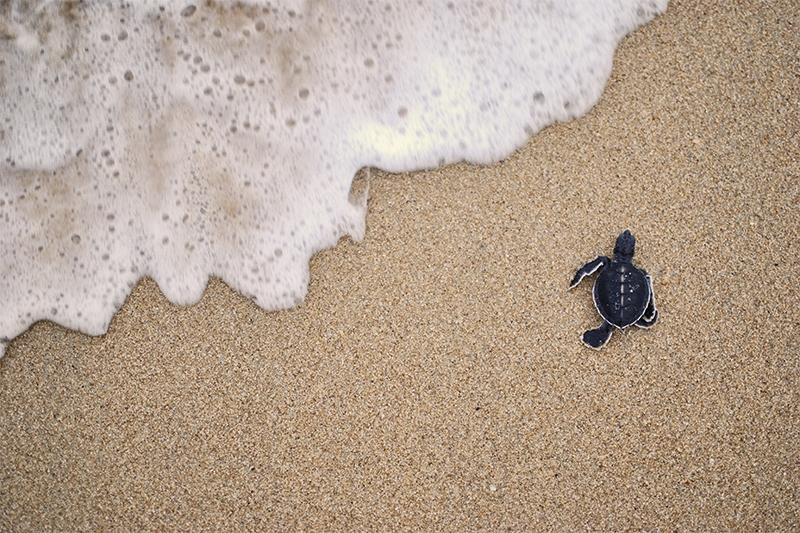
(180, 140)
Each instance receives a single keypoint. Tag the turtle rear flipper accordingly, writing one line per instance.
(648, 321)
(650, 315)
(597, 338)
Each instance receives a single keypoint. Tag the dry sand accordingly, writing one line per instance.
(434, 378)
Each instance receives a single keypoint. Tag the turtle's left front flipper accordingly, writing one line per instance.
(650, 315)
(588, 269)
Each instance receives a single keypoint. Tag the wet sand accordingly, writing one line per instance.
(434, 377)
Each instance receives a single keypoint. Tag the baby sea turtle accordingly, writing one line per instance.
(623, 293)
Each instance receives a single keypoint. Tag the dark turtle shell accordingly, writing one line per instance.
(621, 293)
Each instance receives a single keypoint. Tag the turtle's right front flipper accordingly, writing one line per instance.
(588, 269)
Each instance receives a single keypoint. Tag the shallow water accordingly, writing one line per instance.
(183, 141)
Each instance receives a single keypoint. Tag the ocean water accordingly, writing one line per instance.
(181, 140)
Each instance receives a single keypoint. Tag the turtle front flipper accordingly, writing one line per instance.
(588, 269)
(650, 315)
(597, 338)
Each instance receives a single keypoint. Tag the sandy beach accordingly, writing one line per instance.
(434, 377)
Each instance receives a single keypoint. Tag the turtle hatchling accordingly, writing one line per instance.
(623, 293)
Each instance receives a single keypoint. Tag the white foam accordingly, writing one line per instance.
(221, 138)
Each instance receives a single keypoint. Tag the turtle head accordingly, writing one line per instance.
(626, 244)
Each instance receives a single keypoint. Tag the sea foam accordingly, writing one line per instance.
(182, 140)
